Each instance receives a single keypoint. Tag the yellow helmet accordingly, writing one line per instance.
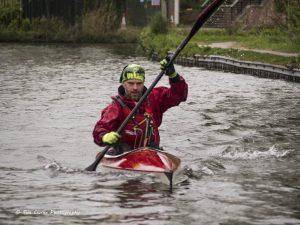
(132, 71)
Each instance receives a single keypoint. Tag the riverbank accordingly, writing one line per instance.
(264, 46)
(69, 35)
(253, 46)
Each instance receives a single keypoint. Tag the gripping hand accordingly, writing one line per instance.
(110, 138)
(170, 71)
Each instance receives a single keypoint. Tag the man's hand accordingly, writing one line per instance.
(170, 71)
(110, 138)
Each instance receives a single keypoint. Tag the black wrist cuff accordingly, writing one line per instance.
(175, 79)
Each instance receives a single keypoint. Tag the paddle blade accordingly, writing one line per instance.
(205, 15)
(202, 18)
(92, 167)
(95, 164)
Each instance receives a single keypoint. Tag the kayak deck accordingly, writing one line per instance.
(143, 160)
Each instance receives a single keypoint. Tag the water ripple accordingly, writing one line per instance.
(237, 137)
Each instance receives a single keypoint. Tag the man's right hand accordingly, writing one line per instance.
(110, 138)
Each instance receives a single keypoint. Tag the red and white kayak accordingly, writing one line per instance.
(145, 159)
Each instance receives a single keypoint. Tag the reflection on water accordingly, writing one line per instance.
(238, 142)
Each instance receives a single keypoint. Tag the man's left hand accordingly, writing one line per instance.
(170, 70)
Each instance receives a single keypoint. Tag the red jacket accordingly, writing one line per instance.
(159, 100)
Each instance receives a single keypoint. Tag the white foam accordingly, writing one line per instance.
(207, 171)
(53, 166)
(271, 152)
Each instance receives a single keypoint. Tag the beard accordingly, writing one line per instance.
(135, 96)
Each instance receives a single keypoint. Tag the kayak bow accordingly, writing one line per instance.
(143, 160)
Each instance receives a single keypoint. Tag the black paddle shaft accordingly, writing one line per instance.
(203, 17)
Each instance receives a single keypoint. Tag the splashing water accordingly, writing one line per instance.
(271, 152)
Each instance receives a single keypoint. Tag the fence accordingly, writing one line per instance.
(68, 10)
(227, 13)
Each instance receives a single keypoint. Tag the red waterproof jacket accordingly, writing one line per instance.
(159, 100)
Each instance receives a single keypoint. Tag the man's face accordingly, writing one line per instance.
(133, 89)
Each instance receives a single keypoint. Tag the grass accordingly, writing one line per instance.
(266, 40)
(256, 38)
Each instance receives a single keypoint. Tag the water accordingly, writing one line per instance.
(237, 137)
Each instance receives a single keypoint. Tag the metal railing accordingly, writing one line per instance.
(238, 6)
(230, 11)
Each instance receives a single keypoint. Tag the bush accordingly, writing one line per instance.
(291, 9)
(14, 25)
(25, 25)
(158, 24)
(8, 15)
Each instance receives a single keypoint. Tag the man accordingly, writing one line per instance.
(142, 129)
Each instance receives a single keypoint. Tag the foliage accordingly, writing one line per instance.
(100, 22)
(25, 25)
(161, 44)
(8, 14)
(102, 16)
(291, 8)
(293, 18)
(130, 35)
(158, 24)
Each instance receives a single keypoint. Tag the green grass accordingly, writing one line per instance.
(256, 38)
(163, 43)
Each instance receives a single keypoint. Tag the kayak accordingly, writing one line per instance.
(146, 160)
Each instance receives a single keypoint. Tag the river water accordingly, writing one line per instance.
(238, 137)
